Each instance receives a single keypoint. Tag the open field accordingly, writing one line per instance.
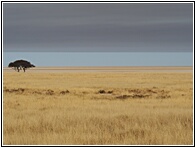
(117, 106)
(108, 69)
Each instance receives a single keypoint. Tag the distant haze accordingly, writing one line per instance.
(101, 59)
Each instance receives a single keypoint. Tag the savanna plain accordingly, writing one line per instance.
(68, 107)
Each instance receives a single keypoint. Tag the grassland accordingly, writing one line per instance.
(98, 108)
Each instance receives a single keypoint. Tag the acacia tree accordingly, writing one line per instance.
(20, 64)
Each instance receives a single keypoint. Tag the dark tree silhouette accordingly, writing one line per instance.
(20, 64)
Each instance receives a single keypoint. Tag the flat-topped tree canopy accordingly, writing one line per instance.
(21, 64)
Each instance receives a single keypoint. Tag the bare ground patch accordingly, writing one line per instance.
(102, 93)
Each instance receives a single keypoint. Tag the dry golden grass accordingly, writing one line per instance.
(99, 108)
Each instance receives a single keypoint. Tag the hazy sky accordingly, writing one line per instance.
(102, 59)
(98, 27)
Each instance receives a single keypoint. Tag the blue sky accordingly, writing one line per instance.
(102, 59)
(98, 34)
